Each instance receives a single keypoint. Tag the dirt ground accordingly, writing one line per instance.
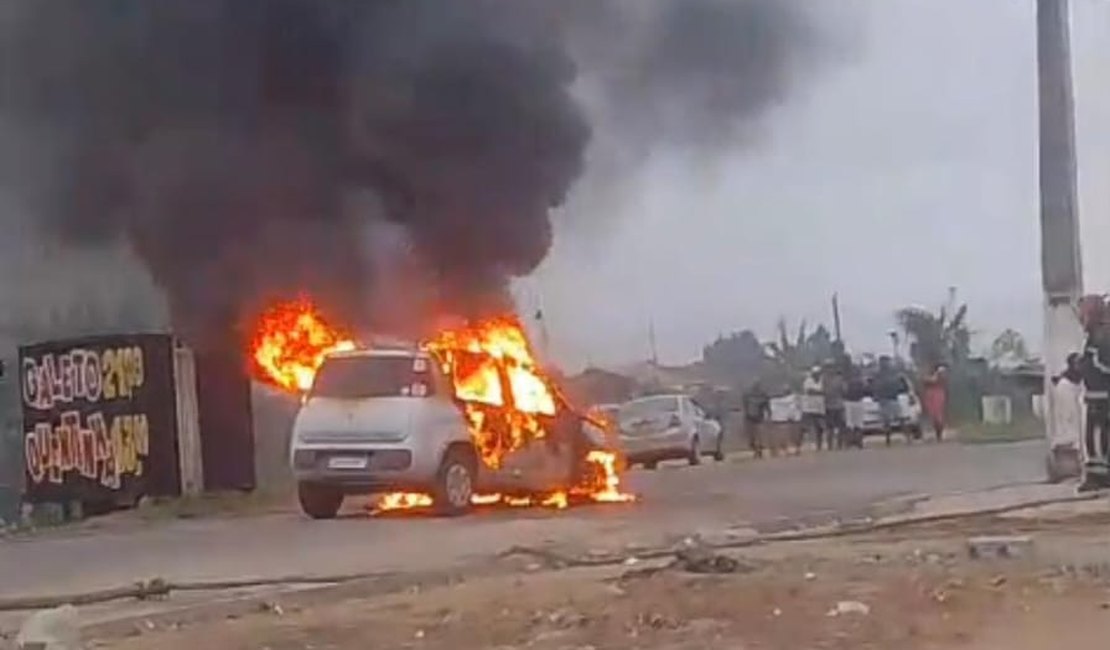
(916, 588)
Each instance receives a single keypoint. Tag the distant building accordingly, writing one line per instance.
(597, 386)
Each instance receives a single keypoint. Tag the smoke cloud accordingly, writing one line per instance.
(222, 139)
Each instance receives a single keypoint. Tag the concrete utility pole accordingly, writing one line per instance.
(1061, 269)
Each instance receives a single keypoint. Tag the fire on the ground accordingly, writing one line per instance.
(292, 339)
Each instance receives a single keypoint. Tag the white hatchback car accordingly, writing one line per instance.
(907, 418)
(387, 421)
(665, 427)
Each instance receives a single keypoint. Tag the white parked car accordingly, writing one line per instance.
(665, 427)
(386, 421)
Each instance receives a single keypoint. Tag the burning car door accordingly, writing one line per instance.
(522, 447)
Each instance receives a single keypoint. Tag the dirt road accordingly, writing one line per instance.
(913, 589)
(675, 501)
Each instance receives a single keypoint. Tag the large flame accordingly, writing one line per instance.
(510, 402)
(498, 382)
(290, 342)
(506, 397)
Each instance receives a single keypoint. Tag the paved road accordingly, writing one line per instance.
(674, 501)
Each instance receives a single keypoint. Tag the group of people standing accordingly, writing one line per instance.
(824, 407)
(832, 405)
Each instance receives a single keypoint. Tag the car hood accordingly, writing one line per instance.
(380, 419)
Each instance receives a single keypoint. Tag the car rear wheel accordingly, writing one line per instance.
(695, 451)
(455, 484)
(319, 501)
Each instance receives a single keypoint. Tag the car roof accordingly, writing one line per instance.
(379, 353)
(605, 407)
(651, 398)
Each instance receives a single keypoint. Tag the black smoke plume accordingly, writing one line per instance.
(222, 138)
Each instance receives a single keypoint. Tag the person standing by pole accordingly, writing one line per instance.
(1066, 445)
(1096, 381)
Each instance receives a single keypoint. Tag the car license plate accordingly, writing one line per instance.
(347, 462)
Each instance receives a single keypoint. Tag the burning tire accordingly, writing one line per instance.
(454, 486)
(319, 501)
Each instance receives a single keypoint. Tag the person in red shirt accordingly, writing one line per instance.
(935, 399)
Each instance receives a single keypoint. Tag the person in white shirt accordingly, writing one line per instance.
(813, 406)
(1068, 417)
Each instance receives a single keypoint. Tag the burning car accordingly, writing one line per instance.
(466, 417)
(388, 421)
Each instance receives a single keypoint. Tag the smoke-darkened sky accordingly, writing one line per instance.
(906, 168)
(885, 149)
(221, 140)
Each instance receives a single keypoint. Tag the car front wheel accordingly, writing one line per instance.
(319, 501)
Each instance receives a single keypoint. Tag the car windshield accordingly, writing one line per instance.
(648, 408)
(360, 377)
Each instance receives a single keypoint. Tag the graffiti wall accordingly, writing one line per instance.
(99, 419)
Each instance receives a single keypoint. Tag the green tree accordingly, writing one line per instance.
(738, 357)
(1009, 344)
(792, 356)
(943, 338)
(936, 338)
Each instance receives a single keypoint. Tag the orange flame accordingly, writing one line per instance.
(290, 342)
(419, 501)
(404, 501)
(607, 487)
(499, 383)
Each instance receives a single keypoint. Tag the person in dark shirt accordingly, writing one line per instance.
(1095, 368)
(887, 387)
(835, 387)
(855, 391)
(757, 408)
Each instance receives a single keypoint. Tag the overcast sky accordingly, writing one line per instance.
(908, 166)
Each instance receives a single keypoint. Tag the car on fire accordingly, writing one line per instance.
(665, 427)
(388, 420)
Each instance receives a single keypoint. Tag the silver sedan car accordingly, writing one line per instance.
(666, 427)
